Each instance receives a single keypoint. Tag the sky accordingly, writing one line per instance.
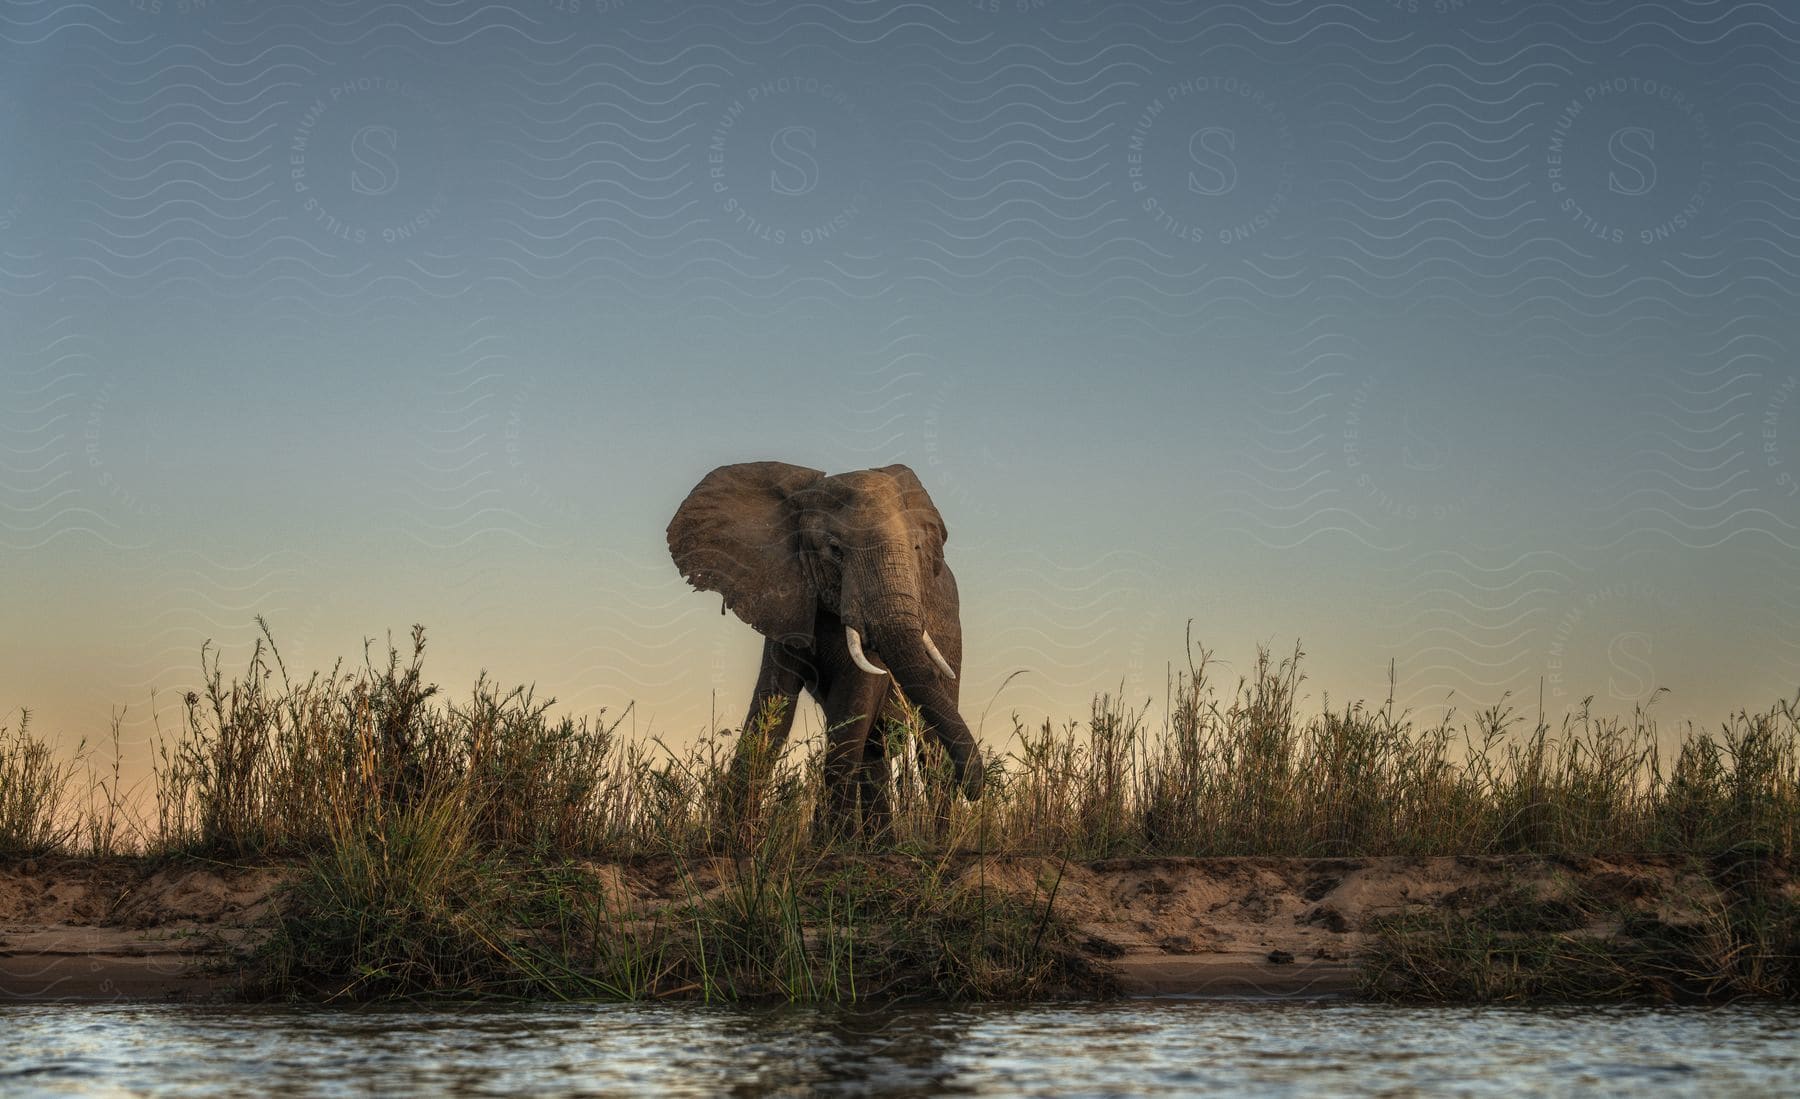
(1451, 337)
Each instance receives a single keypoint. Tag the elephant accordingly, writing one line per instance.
(845, 578)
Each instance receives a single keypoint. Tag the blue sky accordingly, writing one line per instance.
(1456, 335)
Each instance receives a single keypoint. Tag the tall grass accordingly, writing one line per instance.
(34, 819)
(268, 764)
(1243, 774)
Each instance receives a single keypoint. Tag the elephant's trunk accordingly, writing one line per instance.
(916, 675)
(893, 624)
(902, 648)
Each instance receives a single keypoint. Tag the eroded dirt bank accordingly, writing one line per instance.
(79, 929)
(122, 929)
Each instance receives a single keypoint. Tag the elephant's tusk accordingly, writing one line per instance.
(856, 652)
(937, 657)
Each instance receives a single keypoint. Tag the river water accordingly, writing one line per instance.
(1132, 1048)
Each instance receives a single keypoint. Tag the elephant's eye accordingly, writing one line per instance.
(834, 547)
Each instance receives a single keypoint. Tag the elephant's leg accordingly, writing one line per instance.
(874, 776)
(850, 702)
(764, 732)
(779, 681)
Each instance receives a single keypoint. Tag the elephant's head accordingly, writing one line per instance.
(781, 542)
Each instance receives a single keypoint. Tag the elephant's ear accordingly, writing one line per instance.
(734, 535)
(922, 514)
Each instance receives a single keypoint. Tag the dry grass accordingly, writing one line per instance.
(1244, 774)
(34, 785)
(275, 767)
(266, 764)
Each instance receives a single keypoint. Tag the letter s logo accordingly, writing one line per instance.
(1630, 656)
(1210, 148)
(376, 172)
(1631, 147)
(800, 142)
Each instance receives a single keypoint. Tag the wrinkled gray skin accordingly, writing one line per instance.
(798, 555)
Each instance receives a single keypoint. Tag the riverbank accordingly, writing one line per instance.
(120, 929)
(370, 841)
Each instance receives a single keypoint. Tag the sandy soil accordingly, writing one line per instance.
(118, 930)
(76, 929)
(1292, 928)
